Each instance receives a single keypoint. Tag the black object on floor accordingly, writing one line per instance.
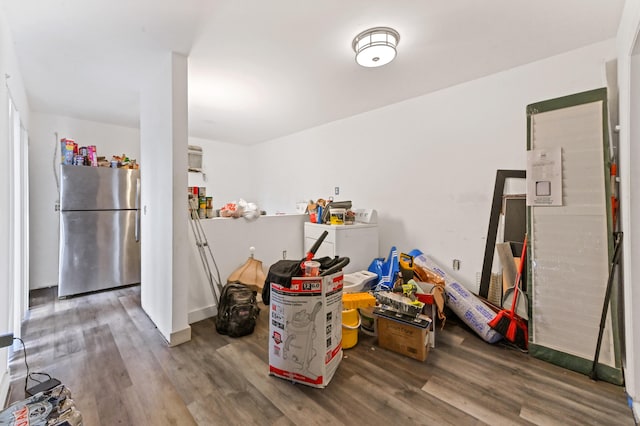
(44, 386)
(593, 374)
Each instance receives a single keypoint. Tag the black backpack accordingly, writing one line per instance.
(237, 310)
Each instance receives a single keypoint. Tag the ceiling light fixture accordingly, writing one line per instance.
(376, 47)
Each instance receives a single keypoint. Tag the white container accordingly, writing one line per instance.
(337, 216)
(358, 281)
(358, 242)
(305, 329)
(311, 268)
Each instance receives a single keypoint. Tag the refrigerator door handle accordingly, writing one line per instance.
(137, 230)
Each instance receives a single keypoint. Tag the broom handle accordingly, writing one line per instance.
(519, 276)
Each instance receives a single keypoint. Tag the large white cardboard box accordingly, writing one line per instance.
(305, 329)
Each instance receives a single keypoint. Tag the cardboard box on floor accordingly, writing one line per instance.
(305, 329)
(409, 339)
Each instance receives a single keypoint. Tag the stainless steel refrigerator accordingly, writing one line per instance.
(99, 229)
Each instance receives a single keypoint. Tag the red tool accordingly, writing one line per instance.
(507, 322)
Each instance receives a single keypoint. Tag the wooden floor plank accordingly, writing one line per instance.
(453, 393)
(544, 405)
(110, 409)
(132, 404)
(120, 370)
(298, 407)
(104, 362)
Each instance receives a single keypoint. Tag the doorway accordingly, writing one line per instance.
(18, 216)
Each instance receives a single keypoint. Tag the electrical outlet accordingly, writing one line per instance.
(337, 190)
(366, 216)
(456, 264)
(6, 340)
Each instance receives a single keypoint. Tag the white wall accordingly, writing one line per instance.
(629, 157)
(8, 66)
(428, 165)
(43, 195)
(229, 176)
(164, 237)
(229, 240)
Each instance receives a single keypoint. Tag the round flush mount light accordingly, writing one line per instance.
(376, 47)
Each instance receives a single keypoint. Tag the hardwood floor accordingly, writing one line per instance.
(120, 371)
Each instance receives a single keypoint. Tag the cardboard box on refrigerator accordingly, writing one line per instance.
(305, 329)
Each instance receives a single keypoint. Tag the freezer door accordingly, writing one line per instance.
(97, 188)
(98, 250)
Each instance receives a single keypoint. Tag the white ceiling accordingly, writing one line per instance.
(263, 69)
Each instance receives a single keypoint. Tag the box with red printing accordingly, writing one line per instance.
(305, 329)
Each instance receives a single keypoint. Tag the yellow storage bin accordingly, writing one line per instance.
(357, 300)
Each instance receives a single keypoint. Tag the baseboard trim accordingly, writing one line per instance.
(635, 409)
(5, 381)
(202, 314)
(180, 337)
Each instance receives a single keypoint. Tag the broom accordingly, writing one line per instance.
(507, 322)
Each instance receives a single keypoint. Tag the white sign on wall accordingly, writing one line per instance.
(544, 177)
